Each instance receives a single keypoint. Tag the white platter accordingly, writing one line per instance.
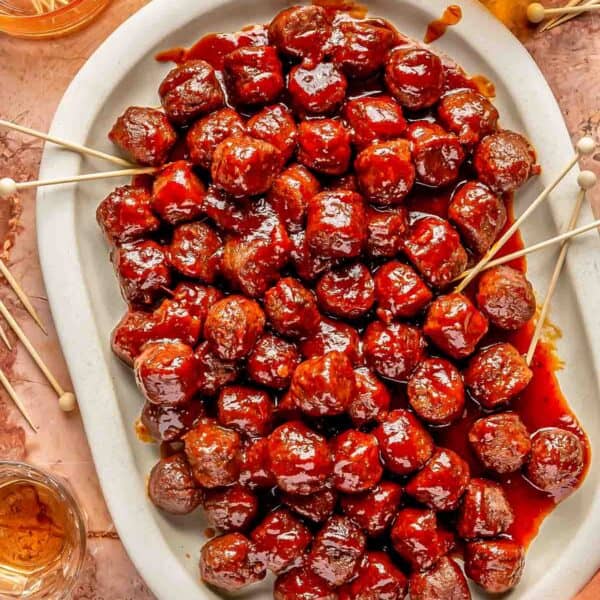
(86, 303)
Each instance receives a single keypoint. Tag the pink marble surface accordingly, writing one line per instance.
(34, 76)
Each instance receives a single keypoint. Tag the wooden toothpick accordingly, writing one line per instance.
(537, 12)
(556, 21)
(10, 390)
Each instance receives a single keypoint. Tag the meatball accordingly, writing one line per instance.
(213, 372)
(275, 125)
(505, 297)
(556, 462)
(302, 584)
(299, 458)
(441, 483)
(443, 581)
(317, 507)
(290, 194)
(418, 539)
(166, 372)
(291, 308)
(213, 454)
(143, 271)
(307, 263)
(393, 350)
(373, 511)
(254, 470)
(478, 215)
(230, 509)
(316, 90)
(504, 161)
(436, 392)
(233, 325)
(167, 423)
(194, 298)
(280, 540)
(324, 146)
(273, 362)
(196, 250)
(374, 119)
(496, 566)
(337, 550)
(244, 166)
(434, 248)
(414, 76)
(190, 91)
(454, 325)
(253, 75)
(230, 563)
(336, 224)
(437, 154)
(125, 215)
(171, 486)
(501, 442)
(496, 374)
(347, 292)
(372, 399)
(400, 292)
(144, 134)
(404, 443)
(246, 410)
(324, 385)
(385, 231)
(207, 133)
(468, 114)
(485, 511)
(356, 466)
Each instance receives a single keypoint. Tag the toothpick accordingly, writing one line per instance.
(10, 390)
(537, 12)
(5, 338)
(556, 21)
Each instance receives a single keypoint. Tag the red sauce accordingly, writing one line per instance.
(436, 29)
(484, 86)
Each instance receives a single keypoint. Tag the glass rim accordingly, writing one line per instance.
(41, 16)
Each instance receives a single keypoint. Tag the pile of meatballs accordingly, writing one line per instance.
(291, 321)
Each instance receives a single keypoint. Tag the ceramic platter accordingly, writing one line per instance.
(86, 302)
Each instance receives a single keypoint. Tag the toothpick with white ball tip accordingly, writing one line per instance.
(586, 181)
(537, 12)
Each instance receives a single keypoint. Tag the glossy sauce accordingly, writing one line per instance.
(436, 29)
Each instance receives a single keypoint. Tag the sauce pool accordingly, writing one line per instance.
(436, 29)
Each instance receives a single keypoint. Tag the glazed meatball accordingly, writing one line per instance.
(302, 584)
(404, 443)
(372, 399)
(207, 133)
(244, 166)
(505, 297)
(275, 125)
(144, 134)
(376, 577)
(443, 581)
(246, 410)
(280, 540)
(375, 119)
(253, 463)
(230, 509)
(556, 462)
(497, 374)
(233, 325)
(468, 114)
(437, 154)
(337, 550)
(454, 325)
(290, 194)
(291, 308)
(504, 161)
(436, 392)
(230, 563)
(213, 372)
(171, 486)
(273, 362)
(418, 539)
(299, 458)
(317, 507)
(501, 442)
(478, 214)
(414, 76)
(433, 246)
(253, 75)
(213, 454)
(385, 231)
(307, 263)
(400, 292)
(194, 298)
(196, 250)
(143, 271)
(166, 372)
(324, 385)
(393, 350)
(496, 566)
(373, 511)
(347, 292)
(167, 423)
(441, 483)
(324, 146)
(317, 90)
(125, 215)
(485, 511)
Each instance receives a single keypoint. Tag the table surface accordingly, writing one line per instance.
(569, 56)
